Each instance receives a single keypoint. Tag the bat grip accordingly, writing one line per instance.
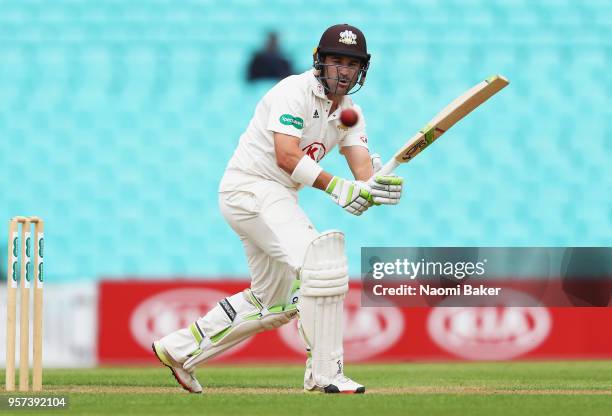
(388, 168)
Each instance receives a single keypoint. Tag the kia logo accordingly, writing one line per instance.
(367, 331)
(168, 311)
(315, 151)
(489, 333)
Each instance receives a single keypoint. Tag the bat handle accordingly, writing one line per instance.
(388, 168)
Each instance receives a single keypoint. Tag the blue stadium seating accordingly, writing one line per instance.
(117, 119)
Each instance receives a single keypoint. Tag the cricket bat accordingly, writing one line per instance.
(444, 120)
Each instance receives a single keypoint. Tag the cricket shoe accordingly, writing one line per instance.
(340, 384)
(186, 379)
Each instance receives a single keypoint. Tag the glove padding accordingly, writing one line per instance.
(386, 189)
(353, 196)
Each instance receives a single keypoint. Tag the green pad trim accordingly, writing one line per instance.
(217, 337)
(296, 285)
(252, 317)
(254, 301)
(195, 353)
(389, 180)
(332, 185)
(195, 333)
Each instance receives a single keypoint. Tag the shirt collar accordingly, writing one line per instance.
(317, 87)
(319, 91)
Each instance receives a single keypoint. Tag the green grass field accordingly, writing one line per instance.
(550, 388)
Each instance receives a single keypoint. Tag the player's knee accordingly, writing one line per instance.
(277, 320)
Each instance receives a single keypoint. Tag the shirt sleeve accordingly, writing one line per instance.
(357, 135)
(286, 116)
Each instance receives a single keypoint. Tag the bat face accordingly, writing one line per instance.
(445, 119)
(422, 139)
(414, 149)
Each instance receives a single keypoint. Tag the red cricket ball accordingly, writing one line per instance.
(349, 117)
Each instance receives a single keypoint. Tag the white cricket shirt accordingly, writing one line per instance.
(296, 106)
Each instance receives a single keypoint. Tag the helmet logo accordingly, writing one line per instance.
(348, 37)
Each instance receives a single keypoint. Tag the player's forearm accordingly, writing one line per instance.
(359, 162)
(287, 161)
(323, 180)
(362, 172)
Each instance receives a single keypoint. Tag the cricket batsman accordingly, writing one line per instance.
(296, 271)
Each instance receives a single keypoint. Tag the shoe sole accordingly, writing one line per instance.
(167, 364)
(359, 390)
(334, 390)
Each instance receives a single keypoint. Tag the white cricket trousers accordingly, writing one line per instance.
(275, 233)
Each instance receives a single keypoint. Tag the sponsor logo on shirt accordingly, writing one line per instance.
(289, 120)
(316, 114)
(315, 151)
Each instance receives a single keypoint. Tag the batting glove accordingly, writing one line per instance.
(386, 189)
(353, 196)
